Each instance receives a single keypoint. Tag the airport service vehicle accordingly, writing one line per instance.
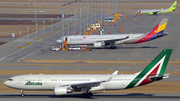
(158, 11)
(63, 84)
(55, 48)
(74, 48)
(41, 11)
(116, 39)
(96, 24)
(110, 19)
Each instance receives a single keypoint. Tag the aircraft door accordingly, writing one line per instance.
(45, 80)
(66, 39)
(20, 80)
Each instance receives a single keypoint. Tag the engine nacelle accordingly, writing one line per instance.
(99, 44)
(61, 90)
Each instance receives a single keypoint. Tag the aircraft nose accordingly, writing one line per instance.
(5, 83)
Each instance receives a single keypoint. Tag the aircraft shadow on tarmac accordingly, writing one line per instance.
(94, 96)
(120, 47)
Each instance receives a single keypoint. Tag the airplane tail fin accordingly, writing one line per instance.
(156, 32)
(161, 26)
(154, 71)
(173, 7)
(158, 65)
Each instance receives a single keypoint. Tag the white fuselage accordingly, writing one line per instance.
(91, 39)
(48, 82)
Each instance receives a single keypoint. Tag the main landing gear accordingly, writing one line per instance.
(155, 13)
(112, 46)
(22, 93)
(86, 95)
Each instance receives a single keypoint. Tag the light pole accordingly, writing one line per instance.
(57, 22)
(104, 10)
(66, 21)
(74, 17)
(19, 39)
(62, 27)
(98, 9)
(116, 6)
(91, 12)
(43, 29)
(84, 16)
(101, 12)
(36, 32)
(35, 11)
(80, 21)
(27, 35)
(87, 14)
(112, 7)
(51, 25)
(68, 17)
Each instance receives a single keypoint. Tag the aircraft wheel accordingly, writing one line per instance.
(113, 47)
(22, 94)
(83, 95)
(155, 13)
(88, 95)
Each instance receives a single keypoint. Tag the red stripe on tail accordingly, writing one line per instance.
(149, 35)
(153, 73)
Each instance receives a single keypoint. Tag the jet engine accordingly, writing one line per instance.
(99, 44)
(62, 90)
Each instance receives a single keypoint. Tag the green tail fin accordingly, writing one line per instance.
(160, 63)
(173, 7)
(156, 68)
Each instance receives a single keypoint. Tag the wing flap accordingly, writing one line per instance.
(87, 84)
(114, 40)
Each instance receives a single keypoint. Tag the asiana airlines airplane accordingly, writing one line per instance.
(116, 39)
(64, 84)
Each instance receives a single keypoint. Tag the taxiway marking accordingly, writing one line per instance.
(79, 54)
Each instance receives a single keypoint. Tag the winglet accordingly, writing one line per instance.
(161, 9)
(115, 72)
(126, 37)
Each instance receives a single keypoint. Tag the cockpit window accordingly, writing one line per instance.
(10, 79)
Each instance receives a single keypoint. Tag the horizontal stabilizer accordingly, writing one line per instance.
(115, 72)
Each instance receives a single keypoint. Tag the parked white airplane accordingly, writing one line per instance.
(64, 84)
(116, 39)
(158, 11)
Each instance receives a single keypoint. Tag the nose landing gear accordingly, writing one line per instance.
(22, 93)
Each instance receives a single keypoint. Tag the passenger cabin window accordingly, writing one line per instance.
(39, 79)
(30, 79)
(10, 79)
(53, 79)
(76, 80)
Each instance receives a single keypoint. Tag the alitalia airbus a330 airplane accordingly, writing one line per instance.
(158, 11)
(64, 84)
(116, 39)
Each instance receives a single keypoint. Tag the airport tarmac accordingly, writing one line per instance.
(143, 51)
(95, 97)
(10, 57)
